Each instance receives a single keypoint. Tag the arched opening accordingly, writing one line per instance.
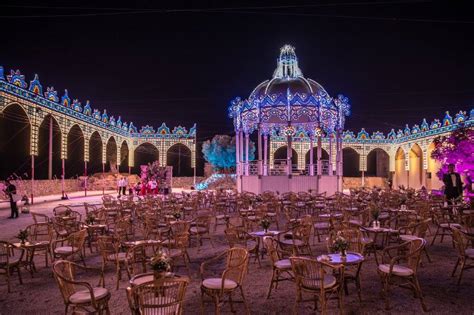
(145, 153)
(324, 160)
(280, 156)
(432, 181)
(350, 163)
(416, 166)
(378, 163)
(124, 157)
(95, 154)
(75, 152)
(42, 170)
(15, 142)
(111, 156)
(400, 177)
(179, 157)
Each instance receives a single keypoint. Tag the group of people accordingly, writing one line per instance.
(140, 189)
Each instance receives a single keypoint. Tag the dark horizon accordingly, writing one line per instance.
(398, 62)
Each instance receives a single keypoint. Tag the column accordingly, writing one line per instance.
(63, 175)
(50, 153)
(259, 152)
(103, 178)
(237, 153)
(247, 142)
(265, 155)
(289, 155)
(331, 172)
(311, 156)
(241, 152)
(32, 177)
(85, 178)
(318, 162)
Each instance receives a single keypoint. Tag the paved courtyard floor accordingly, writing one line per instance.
(40, 295)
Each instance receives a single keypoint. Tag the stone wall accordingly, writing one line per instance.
(356, 182)
(185, 182)
(47, 187)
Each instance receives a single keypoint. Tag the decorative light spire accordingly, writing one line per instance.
(287, 64)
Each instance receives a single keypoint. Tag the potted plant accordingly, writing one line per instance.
(340, 245)
(22, 236)
(265, 223)
(26, 204)
(161, 265)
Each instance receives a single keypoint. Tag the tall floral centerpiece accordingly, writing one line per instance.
(340, 244)
(22, 236)
(265, 223)
(161, 265)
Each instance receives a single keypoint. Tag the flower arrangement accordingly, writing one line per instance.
(340, 244)
(265, 223)
(22, 236)
(90, 219)
(161, 263)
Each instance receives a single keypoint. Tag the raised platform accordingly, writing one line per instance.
(258, 184)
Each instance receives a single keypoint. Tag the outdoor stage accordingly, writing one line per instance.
(258, 184)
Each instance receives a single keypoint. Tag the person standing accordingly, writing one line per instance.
(452, 184)
(124, 185)
(119, 186)
(10, 190)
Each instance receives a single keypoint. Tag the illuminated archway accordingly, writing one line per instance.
(42, 165)
(15, 132)
(179, 157)
(378, 163)
(111, 155)
(416, 167)
(350, 163)
(145, 153)
(95, 154)
(400, 176)
(124, 154)
(75, 152)
(280, 156)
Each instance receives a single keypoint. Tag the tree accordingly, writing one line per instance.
(456, 148)
(220, 152)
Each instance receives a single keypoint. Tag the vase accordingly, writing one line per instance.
(343, 254)
(266, 230)
(22, 242)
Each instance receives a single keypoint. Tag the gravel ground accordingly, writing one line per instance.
(40, 294)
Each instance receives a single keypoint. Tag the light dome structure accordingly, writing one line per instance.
(292, 106)
(289, 102)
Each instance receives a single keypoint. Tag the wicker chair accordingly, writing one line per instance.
(311, 277)
(230, 280)
(10, 259)
(95, 299)
(158, 297)
(281, 267)
(109, 248)
(200, 229)
(465, 255)
(41, 237)
(74, 246)
(413, 231)
(238, 237)
(399, 267)
(39, 217)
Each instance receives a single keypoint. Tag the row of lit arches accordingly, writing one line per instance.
(377, 160)
(15, 131)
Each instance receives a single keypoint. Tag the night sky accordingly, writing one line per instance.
(397, 61)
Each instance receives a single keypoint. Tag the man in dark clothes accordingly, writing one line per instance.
(452, 184)
(11, 192)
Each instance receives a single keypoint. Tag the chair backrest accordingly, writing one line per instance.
(459, 242)
(139, 257)
(308, 272)
(40, 232)
(62, 211)
(108, 245)
(64, 274)
(39, 217)
(414, 253)
(352, 236)
(180, 228)
(165, 296)
(236, 264)
(271, 245)
(5, 252)
(77, 239)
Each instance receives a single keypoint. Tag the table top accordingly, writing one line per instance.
(262, 233)
(352, 258)
(330, 215)
(30, 244)
(134, 243)
(379, 230)
(96, 226)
